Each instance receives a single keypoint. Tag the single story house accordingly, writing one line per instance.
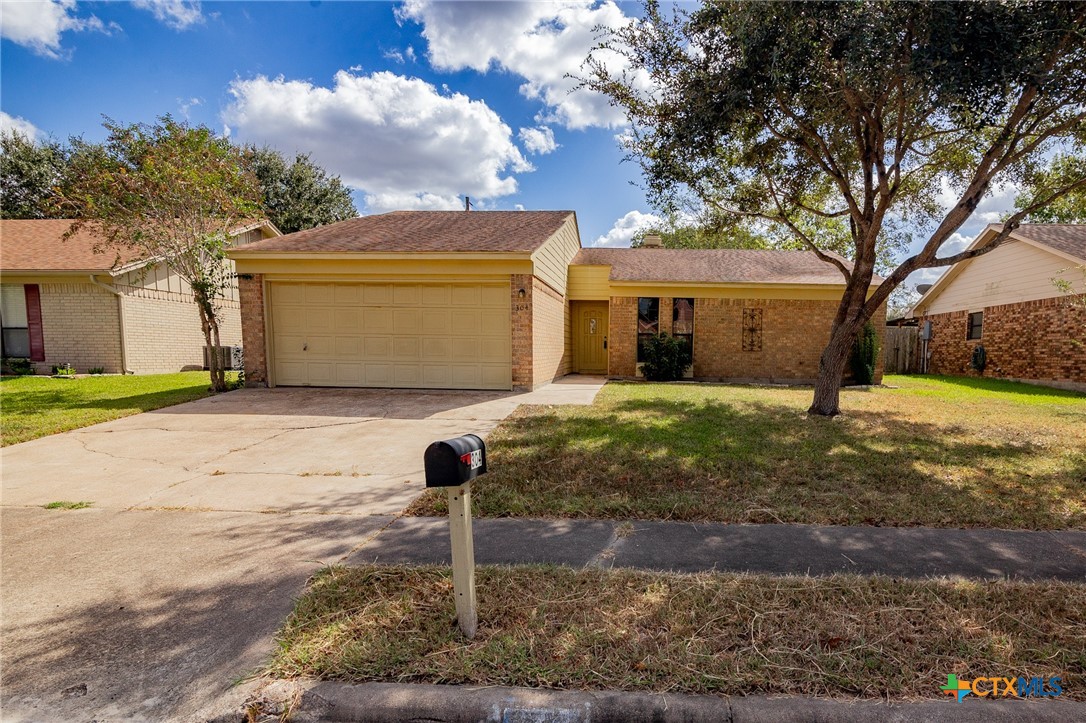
(1007, 302)
(510, 300)
(61, 302)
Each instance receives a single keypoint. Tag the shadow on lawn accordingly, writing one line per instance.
(757, 462)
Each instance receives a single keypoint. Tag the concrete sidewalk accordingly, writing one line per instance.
(913, 552)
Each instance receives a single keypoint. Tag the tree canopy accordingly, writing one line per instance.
(28, 173)
(172, 192)
(871, 129)
(299, 194)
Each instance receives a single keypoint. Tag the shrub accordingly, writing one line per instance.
(865, 355)
(96, 370)
(18, 367)
(666, 358)
(64, 370)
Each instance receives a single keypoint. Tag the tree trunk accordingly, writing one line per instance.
(831, 367)
(210, 326)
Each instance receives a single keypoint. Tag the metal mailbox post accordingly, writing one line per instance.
(453, 464)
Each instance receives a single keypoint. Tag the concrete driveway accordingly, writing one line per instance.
(208, 517)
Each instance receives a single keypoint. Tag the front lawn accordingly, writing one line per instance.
(34, 406)
(840, 636)
(938, 451)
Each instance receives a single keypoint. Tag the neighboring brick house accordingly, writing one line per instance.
(510, 300)
(1006, 301)
(63, 303)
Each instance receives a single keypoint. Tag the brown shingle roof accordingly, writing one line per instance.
(724, 266)
(38, 245)
(1070, 238)
(424, 231)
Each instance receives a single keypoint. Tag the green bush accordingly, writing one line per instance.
(865, 355)
(666, 358)
(18, 367)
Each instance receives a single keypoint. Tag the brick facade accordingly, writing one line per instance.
(794, 333)
(163, 334)
(521, 326)
(1032, 340)
(551, 350)
(251, 292)
(80, 326)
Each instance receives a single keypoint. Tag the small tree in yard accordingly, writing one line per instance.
(848, 124)
(171, 192)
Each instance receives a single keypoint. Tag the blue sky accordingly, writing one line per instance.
(414, 104)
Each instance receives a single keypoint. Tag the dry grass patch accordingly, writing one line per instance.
(840, 636)
(949, 452)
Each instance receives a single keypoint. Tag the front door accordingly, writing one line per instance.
(590, 337)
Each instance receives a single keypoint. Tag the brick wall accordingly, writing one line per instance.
(522, 318)
(622, 337)
(794, 333)
(80, 326)
(551, 352)
(1032, 340)
(163, 330)
(251, 293)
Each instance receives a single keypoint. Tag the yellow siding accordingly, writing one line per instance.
(589, 283)
(552, 258)
(1014, 272)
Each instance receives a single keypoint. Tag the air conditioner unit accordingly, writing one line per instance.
(226, 356)
(237, 358)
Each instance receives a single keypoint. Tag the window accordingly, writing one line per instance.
(648, 323)
(15, 331)
(976, 322)
(682, 324)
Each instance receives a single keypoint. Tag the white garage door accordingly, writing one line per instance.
(425, 336)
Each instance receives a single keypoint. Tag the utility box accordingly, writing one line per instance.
(453, 462)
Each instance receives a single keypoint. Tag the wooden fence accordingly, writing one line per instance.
(900, 349)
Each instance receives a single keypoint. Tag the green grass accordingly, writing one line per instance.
(32, 407)
(839, 636)
(67, 505)
(951, 452)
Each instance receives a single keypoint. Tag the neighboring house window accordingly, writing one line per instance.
(976, 323)
(16, 331)
(682, 323)
(648, 323)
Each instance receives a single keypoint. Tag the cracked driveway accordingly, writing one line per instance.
(208, 517)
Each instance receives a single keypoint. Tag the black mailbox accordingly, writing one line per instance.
(453, 462)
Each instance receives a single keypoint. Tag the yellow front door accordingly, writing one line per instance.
(590, 337)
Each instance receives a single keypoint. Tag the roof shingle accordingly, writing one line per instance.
(1070, 238)
(39, 245)
(423, 231)
(721, 266)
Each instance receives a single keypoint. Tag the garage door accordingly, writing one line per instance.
(427, 336)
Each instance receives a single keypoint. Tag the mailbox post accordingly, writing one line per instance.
(453, 464)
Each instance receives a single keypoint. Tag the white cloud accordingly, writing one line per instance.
(178, 14)
(22, 126)
(538, 140)
(622, 233)
(39, 25)
(543, 42)
(397, 139)
(395, 55)
(186, 107)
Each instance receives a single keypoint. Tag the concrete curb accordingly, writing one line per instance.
(311, 701)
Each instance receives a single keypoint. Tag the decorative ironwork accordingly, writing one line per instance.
(752, 329)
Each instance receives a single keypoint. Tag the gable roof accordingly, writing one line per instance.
(422, 232)
(722, 266)
(38, 245)
(1067, 240)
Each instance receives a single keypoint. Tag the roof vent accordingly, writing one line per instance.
(652, 242)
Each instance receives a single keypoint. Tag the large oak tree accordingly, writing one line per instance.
(849, 124)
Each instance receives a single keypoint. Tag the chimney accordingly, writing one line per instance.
(652, 242)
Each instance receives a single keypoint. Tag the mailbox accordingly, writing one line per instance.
(452, 462)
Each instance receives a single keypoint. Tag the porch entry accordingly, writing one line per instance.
(590, 337)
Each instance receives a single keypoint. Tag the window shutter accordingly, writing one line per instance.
(33, 322)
